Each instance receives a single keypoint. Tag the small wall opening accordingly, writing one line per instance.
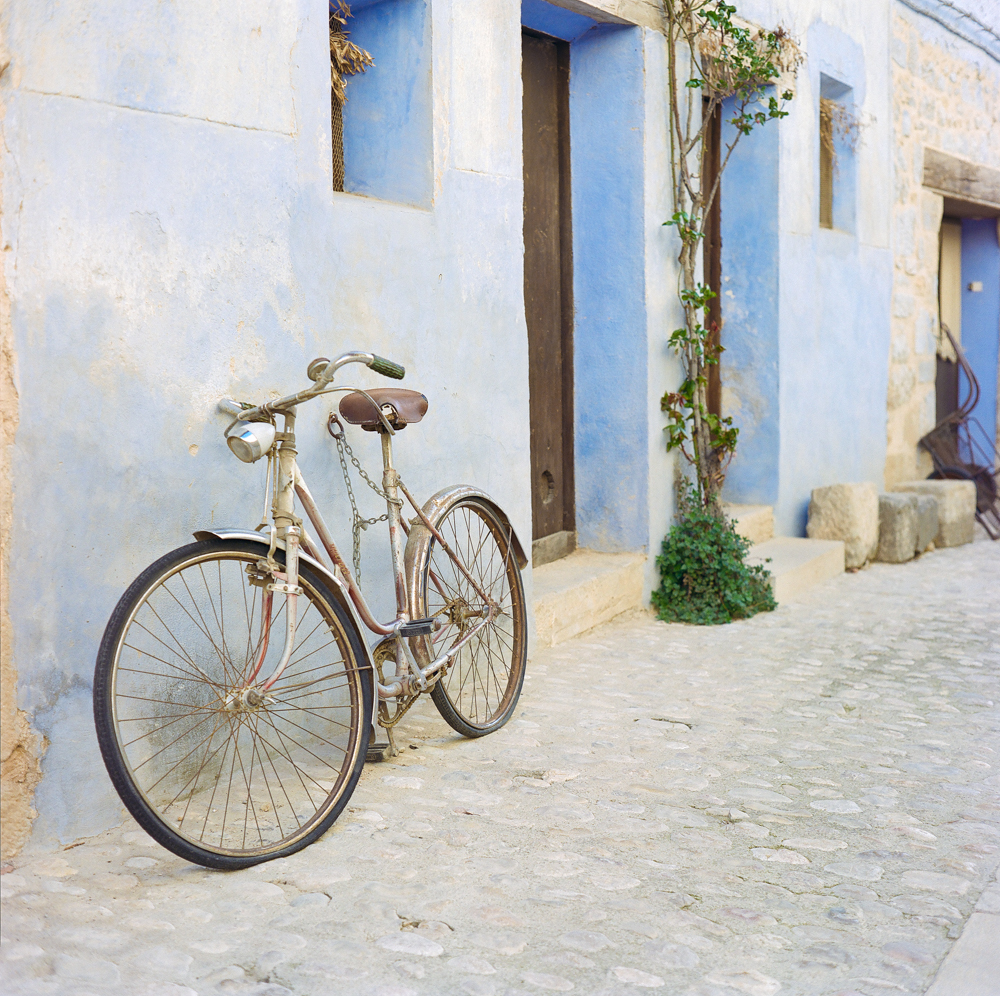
(838, 137)
(385, 127)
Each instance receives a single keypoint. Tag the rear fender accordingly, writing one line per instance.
(337, 588)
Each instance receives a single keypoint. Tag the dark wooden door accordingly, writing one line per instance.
(548, 289)
(712, 251)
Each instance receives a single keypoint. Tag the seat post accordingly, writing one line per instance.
(390, 484)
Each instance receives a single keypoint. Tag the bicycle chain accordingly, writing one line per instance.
(359, 522)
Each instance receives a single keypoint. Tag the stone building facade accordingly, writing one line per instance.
(173, 231)
(945, 98)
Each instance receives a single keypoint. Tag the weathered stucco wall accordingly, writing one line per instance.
(946, 95)
(805, 308)
(176, 239)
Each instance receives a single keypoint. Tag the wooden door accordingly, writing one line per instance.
(712, 252)
(548, 291)
(950, 314)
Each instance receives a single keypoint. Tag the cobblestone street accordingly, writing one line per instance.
(804, 803)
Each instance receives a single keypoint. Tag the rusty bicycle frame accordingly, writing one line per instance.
(415, 670)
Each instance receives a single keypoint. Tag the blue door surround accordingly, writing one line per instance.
(981, 314)
(609, 290)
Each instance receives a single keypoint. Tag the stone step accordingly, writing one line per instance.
(584, 590)
(753, 522)
(797, 564)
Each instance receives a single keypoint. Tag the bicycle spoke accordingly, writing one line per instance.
(150, 733)
(281, 785)
(203, 626)
(219, 772)
(167, 747)
(329, 743)
(194, 778)
(215, 787)
(246, 785)
(311, 712)
(197, 670)
(483, 680)
(295, 768)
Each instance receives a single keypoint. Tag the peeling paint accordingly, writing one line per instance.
(20, 746)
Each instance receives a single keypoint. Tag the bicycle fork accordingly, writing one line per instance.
(284, 582)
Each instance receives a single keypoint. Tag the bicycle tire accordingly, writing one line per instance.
(171, 655)
(479, 692)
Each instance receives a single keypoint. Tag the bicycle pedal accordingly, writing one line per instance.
(377, 752)
(418, 627)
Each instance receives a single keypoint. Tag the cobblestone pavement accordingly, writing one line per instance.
(804, 803)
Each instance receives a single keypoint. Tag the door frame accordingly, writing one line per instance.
(555, 545)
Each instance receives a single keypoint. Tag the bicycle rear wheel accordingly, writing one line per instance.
(214, 778)
(478, 693)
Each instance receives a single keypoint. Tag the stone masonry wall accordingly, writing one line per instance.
(20, 746)
(946, 95)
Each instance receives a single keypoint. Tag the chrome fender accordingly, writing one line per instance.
(419, 541)
(337, 587)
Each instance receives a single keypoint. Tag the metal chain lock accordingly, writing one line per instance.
(344, 451)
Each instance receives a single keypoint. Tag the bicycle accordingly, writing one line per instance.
(231, 748)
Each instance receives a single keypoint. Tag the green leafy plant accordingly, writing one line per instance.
(704, 576)
(722, 59)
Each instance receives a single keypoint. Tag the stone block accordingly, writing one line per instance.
(796, 564)
(850, 513)
(897, 527)
(956, 508)
(752, 522)
(927, 521)
(584, 590)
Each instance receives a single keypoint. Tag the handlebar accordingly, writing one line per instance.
(321, 371)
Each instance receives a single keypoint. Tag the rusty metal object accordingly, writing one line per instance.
(961, 449)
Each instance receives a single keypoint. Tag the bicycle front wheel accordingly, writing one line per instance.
(480, 690)
(216, 778)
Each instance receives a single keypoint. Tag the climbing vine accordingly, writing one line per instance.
(712, 58)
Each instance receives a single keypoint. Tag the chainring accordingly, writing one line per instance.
(390, 711)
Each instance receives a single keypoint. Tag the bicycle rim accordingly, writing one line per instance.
(240, 782)
(480, 689)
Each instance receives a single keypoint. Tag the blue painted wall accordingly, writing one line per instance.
(981, 315)
(555, 21)
(805, 370)
(176, 239)
(750, 255)
(388, 136)
(606, 137)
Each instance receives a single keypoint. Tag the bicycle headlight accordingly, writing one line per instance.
(250, 440)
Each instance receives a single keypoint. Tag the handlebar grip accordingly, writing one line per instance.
(387, 368)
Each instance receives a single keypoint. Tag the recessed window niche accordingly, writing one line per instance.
(387, 120)
(838, 140)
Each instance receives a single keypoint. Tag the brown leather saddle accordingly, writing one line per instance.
(400, 407)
